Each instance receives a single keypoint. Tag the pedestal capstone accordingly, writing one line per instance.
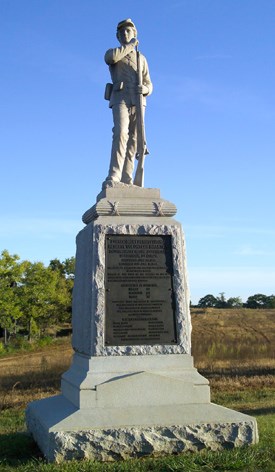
(132, 389)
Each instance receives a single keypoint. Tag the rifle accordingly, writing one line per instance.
(141, 143)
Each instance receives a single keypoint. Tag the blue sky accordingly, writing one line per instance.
(209, 123)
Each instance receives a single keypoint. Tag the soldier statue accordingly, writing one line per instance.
(124, 93)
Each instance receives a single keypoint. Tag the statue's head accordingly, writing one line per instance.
(125, 27)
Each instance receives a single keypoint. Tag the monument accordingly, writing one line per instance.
(132, 389)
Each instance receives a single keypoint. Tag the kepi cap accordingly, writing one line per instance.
(127, 22)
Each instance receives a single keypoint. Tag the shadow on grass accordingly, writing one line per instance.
(258, 411)
(18, 448)
(236, 371)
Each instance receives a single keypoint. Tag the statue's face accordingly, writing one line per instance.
(126, 33)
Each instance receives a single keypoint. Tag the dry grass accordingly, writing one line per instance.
(32, 376)
(234, 349)
(233, 334)
(237, 336)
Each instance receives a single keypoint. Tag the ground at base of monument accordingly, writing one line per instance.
(64, 432)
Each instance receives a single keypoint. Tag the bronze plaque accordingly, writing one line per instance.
(140, 305)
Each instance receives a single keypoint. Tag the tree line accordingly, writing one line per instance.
(258, 300)
(34, 296)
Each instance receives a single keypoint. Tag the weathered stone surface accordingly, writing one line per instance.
(125, 200)
(111, 445)
(119, 189)
(89, 290)
(117, 381)
(64, 432)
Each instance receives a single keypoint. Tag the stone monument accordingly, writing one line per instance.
(132, 389)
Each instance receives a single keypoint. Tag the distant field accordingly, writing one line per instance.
(33, 375)
(241, 334)
(235, 349)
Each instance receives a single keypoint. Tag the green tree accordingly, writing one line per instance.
(271, 301)
(62, 312)
(257, 301)
(66, 270)
(11, 272)
(207, 301)
(69, 265)
(221, 301)
(55, 264)
(234, 302)
(45, 297)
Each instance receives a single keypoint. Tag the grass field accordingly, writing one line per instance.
(233, 349)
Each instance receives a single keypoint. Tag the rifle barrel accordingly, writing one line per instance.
(139, 177)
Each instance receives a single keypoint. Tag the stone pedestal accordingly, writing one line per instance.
(142, 397)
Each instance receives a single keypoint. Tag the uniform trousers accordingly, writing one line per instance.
(124, 143)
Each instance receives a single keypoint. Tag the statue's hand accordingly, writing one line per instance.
(142, 89)
(134, 42)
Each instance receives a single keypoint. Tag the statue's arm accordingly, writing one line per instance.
(146, 80)
(114, 55)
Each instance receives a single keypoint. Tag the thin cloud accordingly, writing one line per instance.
(250, 251)
(42, 227)
(216, 96)
(234, 281)
(235, 274)
(212, 56)
(219, 231)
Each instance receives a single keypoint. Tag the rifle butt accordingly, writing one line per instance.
(139, 177)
